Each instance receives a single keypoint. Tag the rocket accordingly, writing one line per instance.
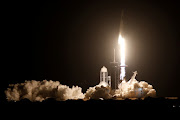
(121, 42)
(121, 30)
(118, 68)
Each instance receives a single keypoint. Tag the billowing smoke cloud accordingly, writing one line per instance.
(130, 89)
(102, 90)
(135, 89)
(41, 90)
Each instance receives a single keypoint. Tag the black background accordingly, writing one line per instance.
(70, 42)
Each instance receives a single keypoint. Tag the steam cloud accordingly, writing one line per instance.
(42, 90)
(135, 89)
(102, 90)
(130, 89)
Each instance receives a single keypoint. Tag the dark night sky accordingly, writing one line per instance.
(69, 42)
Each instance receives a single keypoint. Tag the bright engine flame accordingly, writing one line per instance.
(121, 42)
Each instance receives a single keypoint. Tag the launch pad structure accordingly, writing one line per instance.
(115, 73)
(114, 79)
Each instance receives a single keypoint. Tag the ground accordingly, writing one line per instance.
(171, 104)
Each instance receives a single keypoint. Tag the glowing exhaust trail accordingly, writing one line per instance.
(121, 42)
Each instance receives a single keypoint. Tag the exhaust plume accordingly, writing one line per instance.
(135, 89)
(121, 42)
(100, 91)
(41, 90)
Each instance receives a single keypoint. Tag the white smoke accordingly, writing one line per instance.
(135, 89)
(100, 91)
(41, 90)
(130, 89)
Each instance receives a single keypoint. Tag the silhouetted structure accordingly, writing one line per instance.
(115, 73)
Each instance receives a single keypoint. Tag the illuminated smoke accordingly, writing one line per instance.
(121, 42)
(100, 91)
(41, 90)
(135, 89)
(130, 89)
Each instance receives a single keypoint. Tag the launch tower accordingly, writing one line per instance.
(115, 73)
